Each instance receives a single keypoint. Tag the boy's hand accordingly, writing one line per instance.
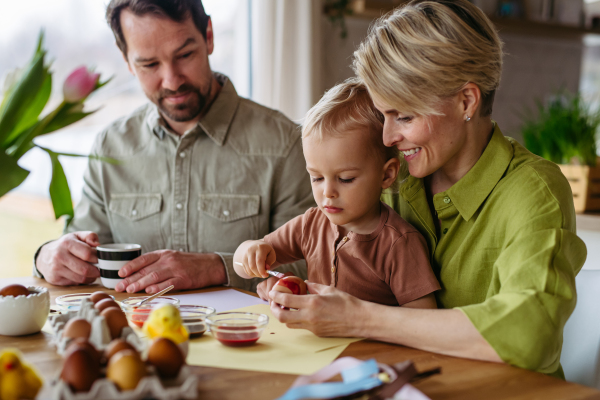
(257, 259)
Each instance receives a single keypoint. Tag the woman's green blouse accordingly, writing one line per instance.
(507, 252)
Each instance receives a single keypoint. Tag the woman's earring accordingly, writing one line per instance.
(467, 119)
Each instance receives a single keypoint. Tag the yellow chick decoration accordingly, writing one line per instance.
(165, 321)
(17, 379)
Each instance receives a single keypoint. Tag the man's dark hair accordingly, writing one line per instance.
(176, 10)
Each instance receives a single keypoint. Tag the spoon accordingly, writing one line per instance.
(147, 299)
(272, 273)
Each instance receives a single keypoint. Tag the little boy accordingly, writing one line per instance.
(352, 240)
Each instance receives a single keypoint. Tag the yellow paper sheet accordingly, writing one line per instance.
(279, 349)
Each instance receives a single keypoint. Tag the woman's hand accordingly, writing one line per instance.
(330, 312)
(327, 311)
(265, 287)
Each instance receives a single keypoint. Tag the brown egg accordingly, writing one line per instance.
(115, 346)
(14, 290)
(103, 304)
(97, 296)
(76, 328)
(126, 369)
(116, 321)
(83, 343)
(80, 370)
(166, 357)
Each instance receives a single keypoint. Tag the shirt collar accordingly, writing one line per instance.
(217, 120)
(469, 193)
(383, 218)
(155, 122)
(471, 190)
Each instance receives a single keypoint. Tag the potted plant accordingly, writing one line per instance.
(26, 92)
(565, 132)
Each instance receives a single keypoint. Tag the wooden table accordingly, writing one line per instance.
(460, 379)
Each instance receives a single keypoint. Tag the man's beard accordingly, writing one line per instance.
(186, 111)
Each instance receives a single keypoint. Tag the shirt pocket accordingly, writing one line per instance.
(227, 220)
(136, 219)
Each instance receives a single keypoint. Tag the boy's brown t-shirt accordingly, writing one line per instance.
(388, 266)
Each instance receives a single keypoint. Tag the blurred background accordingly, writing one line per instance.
(280, 53)
(77, 34)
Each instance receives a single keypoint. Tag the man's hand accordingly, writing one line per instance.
(159, 269)
(265, 287)
(68, 260)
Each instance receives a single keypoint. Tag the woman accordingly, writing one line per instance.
(499, 221)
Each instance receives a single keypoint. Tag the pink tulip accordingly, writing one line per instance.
(79, 85)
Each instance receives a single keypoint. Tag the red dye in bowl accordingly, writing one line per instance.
(138, 317)
(231, 335)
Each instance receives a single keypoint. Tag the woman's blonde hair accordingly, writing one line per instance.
(347, 107)
(428, 50)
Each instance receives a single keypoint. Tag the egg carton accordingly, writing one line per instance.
(100, 334)
(185, 386)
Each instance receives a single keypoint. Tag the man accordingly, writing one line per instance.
(201, 170)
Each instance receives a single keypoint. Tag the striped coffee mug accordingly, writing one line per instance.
(112, 257)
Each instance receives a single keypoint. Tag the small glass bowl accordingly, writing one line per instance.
(237, 329)
(72, 302)
(193, 318)
(138, 315)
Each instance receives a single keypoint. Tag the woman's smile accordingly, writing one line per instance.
(410, 153)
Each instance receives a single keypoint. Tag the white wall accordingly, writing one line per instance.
(534, 68)
(591, 240)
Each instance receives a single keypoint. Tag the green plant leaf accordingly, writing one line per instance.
(24, 141)
(91, 156)
(34, 110)
(21, 97)
(9, 85)
(100, 84)
(63, 119)
(62, 116)
(59, 189)
(12, 174)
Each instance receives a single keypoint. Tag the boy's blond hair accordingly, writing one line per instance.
(347, 107)
(426, 51)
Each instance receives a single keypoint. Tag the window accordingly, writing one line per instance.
(76, 34)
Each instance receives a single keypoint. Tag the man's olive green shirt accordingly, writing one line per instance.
(238, 175)
(507, 252)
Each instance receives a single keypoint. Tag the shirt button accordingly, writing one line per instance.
(133, 212)
(445, 230)
(226, 213)
(182, 154)
(180, 249)
(345, 239)
(179, 206)
(447, 200)
(333, 270)
(333, 253)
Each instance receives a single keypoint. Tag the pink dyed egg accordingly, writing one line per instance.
(290, 284)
